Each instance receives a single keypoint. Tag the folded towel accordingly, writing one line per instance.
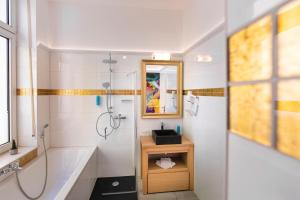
(165, 163)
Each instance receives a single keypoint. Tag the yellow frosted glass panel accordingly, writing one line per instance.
(288, 118)
(250, 52)
(250, 112)
(288, 40)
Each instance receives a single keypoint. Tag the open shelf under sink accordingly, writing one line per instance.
(180, 166)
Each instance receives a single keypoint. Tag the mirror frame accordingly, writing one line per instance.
(179, 65)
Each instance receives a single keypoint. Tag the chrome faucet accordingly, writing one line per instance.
(12, 167)
(162, 125)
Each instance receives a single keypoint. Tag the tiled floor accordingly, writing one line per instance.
(184, 195)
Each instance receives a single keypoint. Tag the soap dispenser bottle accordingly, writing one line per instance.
(162, 126)
(178, 130)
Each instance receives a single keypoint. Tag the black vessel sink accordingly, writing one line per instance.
(167, 136)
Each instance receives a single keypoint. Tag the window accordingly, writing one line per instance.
(4, 91)
(7, 74)
(250, 71)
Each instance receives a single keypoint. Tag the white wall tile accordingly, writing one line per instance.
(43, 102)
(43, 117)
(43, 61)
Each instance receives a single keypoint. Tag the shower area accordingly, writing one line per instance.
(116, 129)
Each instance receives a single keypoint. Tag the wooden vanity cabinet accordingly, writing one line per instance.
(156, 179)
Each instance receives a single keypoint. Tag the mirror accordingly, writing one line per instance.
(161, 89)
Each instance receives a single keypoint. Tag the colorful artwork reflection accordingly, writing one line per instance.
(250, 52)
(153, 93)
(288, 40)
(250, 112)
(288, 118)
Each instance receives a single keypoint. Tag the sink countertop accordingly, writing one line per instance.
(147, 141)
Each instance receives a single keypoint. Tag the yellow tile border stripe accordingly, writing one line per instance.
(72, 92)
(289, 18)
(213, 92)
(170, 91)
(289, 106)
(216, 92)
(26, 92)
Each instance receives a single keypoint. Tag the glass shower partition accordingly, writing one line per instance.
(118, 159)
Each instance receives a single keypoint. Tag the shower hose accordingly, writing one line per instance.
(45, 181)
(112, 120)
(33, 111)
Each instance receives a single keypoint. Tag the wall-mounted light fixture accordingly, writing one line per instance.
(204, 58)
(161, 56)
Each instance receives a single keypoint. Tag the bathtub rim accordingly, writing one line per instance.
(67, 187)
(74, 176)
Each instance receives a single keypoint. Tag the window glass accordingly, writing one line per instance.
(4, 11)
(250, 52)
(288, 40)
(288, 118)
(4, 130)
(250, 112)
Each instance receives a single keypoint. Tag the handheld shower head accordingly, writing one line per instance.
(43, 130)
(46, 126)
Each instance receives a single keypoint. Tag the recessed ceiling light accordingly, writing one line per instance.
(124, 57)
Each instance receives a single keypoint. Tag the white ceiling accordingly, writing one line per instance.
(154, 4)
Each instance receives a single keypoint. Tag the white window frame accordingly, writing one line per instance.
(9, 31)
(11, 27)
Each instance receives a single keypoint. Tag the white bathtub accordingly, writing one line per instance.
(71, 175)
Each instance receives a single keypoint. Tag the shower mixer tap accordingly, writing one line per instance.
(12, 167)
(120, 117)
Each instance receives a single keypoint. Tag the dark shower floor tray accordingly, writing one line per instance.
(115, 188)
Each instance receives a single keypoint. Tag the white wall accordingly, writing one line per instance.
(42, 21)
(257, 172)
(94, 25)
(199, 18)
(73, 118)
(241, 12)
(208, 129)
